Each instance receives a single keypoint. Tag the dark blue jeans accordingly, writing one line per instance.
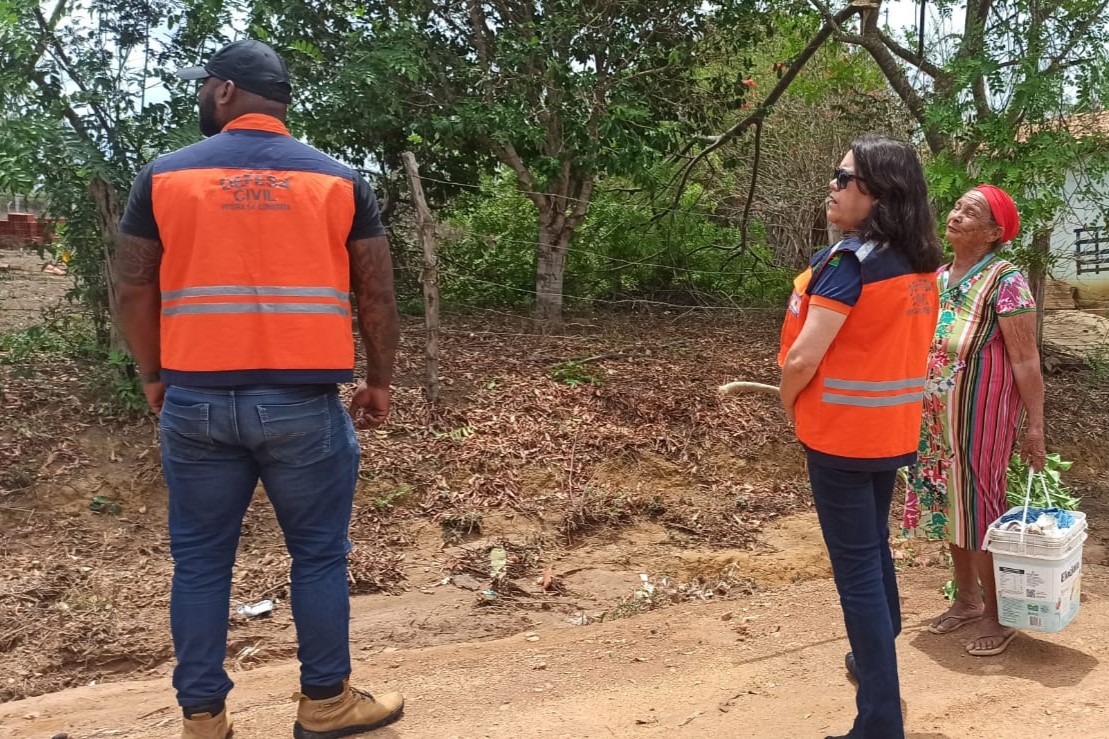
(854, 509)
(216, 445)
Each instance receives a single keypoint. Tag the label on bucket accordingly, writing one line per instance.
(1019, 613)
(1023, 582)
(1038, 594)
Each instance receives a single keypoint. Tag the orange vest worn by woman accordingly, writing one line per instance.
(862, 409)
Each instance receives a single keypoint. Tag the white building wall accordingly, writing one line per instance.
(1088, 208)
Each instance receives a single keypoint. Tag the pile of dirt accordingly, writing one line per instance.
(1076, 334)
(28, 285)
(599, 463)
(584, 433)
(1059, 295)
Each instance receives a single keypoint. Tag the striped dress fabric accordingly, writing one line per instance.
(972, 408)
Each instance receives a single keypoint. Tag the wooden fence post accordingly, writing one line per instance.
(429, 277)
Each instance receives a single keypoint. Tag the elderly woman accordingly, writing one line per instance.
(854, 350)
(983, 375)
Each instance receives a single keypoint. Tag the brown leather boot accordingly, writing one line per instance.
(207, 726)
(351, 712)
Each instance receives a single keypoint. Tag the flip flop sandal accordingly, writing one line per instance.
(960, 622)
(991, 652)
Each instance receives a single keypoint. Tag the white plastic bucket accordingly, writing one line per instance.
(1038, 593)
(1038, 578)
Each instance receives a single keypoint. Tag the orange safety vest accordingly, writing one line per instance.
(255, 271)
(864, 402)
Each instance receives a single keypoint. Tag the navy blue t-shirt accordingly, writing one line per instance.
(840, 280)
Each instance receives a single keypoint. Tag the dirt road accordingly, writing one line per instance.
(586, 488)
(766, 666)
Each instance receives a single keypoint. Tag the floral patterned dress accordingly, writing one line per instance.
(972, 408)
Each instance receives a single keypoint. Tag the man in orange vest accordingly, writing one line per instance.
(234, 270)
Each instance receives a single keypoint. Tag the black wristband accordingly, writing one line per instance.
(151, 378)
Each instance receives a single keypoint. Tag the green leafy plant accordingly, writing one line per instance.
(125, 385)
(950, 588)
(389, 499)
(622, 253)
(1061, 496)
(104, 504)
(17, 347)
(1097, 362)
(574, 374)
(60, 333)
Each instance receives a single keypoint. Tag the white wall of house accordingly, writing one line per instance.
(1089, 211)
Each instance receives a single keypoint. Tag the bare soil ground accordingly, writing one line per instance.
(26, 290)
(664, 570)
(766, 666)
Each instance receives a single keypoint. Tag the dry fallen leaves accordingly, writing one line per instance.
(653, 440)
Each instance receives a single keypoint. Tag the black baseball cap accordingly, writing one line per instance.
(251, 65)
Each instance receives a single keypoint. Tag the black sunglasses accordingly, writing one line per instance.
(843, 178)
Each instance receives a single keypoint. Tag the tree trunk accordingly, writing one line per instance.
(1037, 278)
(107, 217)
(554, 237)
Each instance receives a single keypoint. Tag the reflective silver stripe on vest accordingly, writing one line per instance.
(255, 291)
(875, 401)
(865, 250)
(228, 308)
(873, 387)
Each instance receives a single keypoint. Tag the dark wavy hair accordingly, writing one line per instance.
(902, 218)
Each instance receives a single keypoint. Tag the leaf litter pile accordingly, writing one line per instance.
(614, 421)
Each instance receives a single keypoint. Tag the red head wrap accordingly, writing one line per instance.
(1004, 211)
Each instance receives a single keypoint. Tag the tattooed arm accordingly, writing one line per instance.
(136, 266)
(371, 274)
(371, 278)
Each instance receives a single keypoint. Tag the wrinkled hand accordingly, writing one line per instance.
(1032, 449)
(369, 407)
(155, 393)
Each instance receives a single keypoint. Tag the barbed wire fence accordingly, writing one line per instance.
(1076, 328)
(1076, 325)
(609, 282)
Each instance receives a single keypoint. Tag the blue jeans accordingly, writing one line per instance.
(854, 509)
(216, 445)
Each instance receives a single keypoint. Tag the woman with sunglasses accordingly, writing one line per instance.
(854, 353)
(983, 373)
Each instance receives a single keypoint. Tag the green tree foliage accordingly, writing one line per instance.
(781, 183)
(998, 99)
(561, 93)
(77, 121)
(573, 119)
(991, 98)
(624, 256)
